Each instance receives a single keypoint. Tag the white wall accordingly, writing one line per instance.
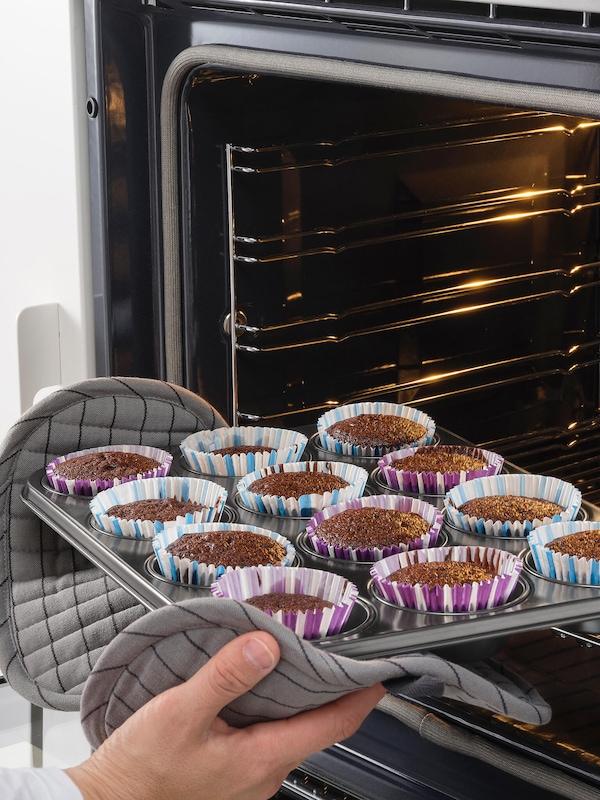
(44, 217)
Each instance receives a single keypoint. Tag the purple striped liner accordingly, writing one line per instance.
(432, 482)
(444, 598)
(90, 488)
(253, 581)
(428, 512)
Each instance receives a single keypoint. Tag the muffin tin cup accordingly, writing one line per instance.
(336, 589)
(542, 487)
(210, 495)
(92, 487)
(425, 510)
(308, 504)
(562, 566)
(444, 598)
(188, 571)
(432, 482)
(284, 446)
(332, 445)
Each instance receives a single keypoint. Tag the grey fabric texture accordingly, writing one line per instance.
(168, 645)
(57, 611)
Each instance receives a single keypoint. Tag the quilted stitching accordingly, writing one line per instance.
(57, 611)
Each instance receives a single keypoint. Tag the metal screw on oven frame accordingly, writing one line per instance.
(240, 319)
(91, 107)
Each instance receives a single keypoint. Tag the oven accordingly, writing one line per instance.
(297, 205)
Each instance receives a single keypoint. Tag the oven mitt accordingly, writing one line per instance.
(57, 610)
(168, 645)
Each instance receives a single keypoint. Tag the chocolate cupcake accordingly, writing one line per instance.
(567, 551)
(142, 508)
(236, 451)
(435, 469)
(374, 527)
(301, 489)
(312, 603)
(448, 579)
(87, 472)
(372, 429)
(199, 554)
(510, 505)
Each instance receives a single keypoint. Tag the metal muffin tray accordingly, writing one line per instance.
(376, 628)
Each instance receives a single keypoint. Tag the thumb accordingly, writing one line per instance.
(233, 670)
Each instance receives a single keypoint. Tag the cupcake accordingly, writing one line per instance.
(567, 551)
(310, 602)
(199, 554)
(510, 505)
(87, 472)
(301, 489)
(448, 579)
(238, 451)
(435, 469)
(372, 429)
(142, 508)
(374, 527)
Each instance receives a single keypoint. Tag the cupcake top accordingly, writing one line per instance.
(438, 459)
(372, 527)
(285, 601)
(510, 508)
(235, 548)
(442, 573)
(377, 430)
(160, 510)
(240, 448)
(105, 465)
(297, 484)
(582, 544)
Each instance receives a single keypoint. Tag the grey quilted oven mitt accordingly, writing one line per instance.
(167, 646)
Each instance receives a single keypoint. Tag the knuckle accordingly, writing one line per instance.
(229, 678)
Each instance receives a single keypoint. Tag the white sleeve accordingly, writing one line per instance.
(37, 783)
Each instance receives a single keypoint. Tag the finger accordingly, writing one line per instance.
(231, 672)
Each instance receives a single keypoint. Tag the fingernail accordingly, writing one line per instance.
(258, 654)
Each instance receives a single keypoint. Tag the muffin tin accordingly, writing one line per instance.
(376, 628)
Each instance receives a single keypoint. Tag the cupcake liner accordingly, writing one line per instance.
(90, 488)
(307, 504)
(431, 482)
(333, 445)
(185, 570)
(445, 598)
(561, 566)
(524, 485)
(207, 493)
(428, 512)
(284, 447)
(254, 581)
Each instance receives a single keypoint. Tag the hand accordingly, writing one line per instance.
(176, 746)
